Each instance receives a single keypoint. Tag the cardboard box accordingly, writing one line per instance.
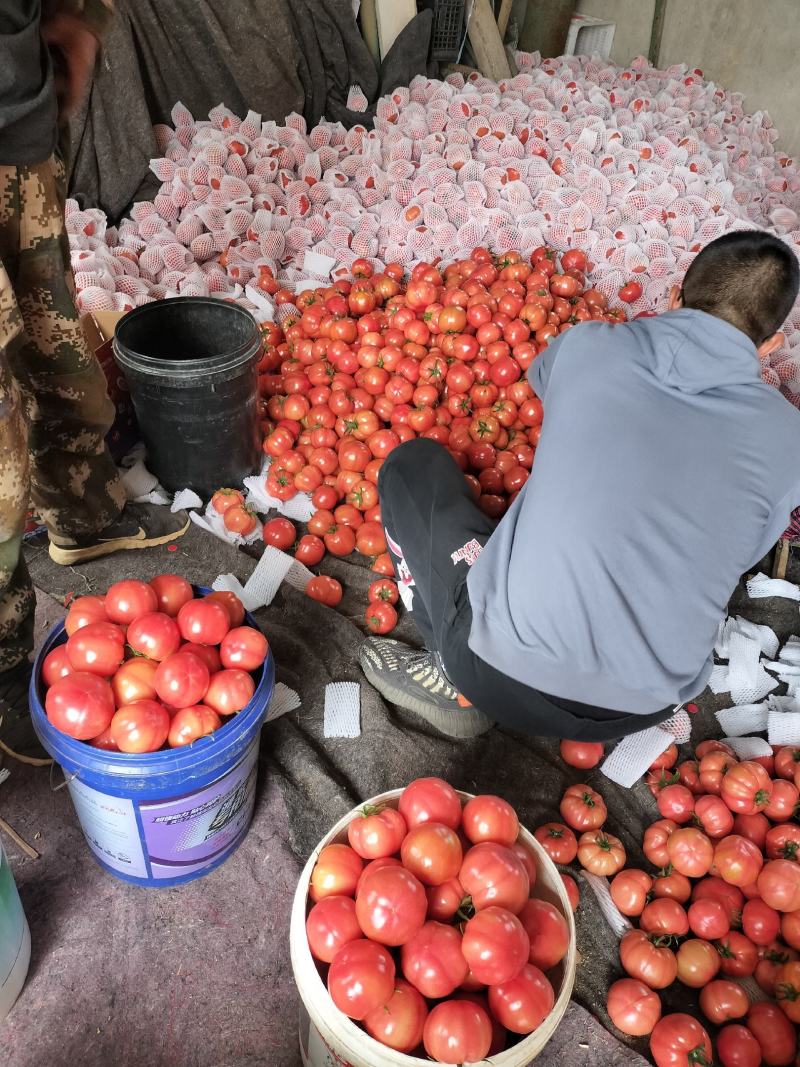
(99, 327)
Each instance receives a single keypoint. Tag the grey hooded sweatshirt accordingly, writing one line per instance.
(665, 470)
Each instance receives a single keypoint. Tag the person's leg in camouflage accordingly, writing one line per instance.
(54, 411)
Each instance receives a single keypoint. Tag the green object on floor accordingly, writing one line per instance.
(15, 940)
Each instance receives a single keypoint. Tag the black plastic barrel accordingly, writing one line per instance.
(190, 363)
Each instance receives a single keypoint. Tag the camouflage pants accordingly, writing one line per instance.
(54, 406)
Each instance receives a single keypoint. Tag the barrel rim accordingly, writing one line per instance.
(130, 359)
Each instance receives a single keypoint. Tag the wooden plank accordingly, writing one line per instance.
(487, 43)
(369, 28)
(503, 17)
(393, 16)
(657, 31)
(781, 559)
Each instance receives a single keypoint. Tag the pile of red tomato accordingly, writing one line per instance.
(370, 363)
(151, 665)
(425, 929)
(723, 901)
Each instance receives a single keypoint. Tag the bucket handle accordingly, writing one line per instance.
(55, 788)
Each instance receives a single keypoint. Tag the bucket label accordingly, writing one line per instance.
(173, 837)
(12, 922)
(109, 826)
(314, 1050)
(186, 834)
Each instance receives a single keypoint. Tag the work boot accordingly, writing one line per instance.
(16, 726)
(417, 681)
(139, 526)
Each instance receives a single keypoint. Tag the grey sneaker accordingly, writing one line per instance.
(139, 526)
(417, 682)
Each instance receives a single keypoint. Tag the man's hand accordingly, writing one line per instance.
(74, 49)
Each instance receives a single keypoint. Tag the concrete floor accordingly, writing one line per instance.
(192, 976)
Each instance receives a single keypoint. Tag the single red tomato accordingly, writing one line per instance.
(457, 1031)
(399, 1024)
(494, 876)
(523, 1003)
(714, 765)
(680, 1041)
(445, 900)
(135, 680)
(776, 1036)
(664, 917)
(690, 852)
(243, 648)
(380, 617)
(673, 885)
(172, 592)
(336, 872)
(667, 759)
(430, 800)
(571, 889)
(361, 978)
(630, 292)
(787, 762)
(83, 610)
(601, 853)
(708, 919)
(746, 788)
(432, 960)
(582, 808)
(280, 533)
(190, 723)
(432, 852)
(698, 962)
(760, 923)
(558, 841)
(738, 860)
(779, 885)
(231, 603)
(737, 1047)
(495, 945)
(181, 680)
(98, 648)
(240, 520)
(209, 654)
(783, 842)
(723, 1000)
(332, 923)
(633, 1007)
(655, 841)
(738, 955)
(225, 499)
(676, 802)
(376, 832)
(790, 928)
(490, 818)
(582, 754)
(783, 802)
(140, 727)
(714, 816)
(391, 905)
(81, 705)
(56, 665)
(229, 691)
(787, 990)
(155, 636)
(730, 896)
(203, 622)
(629, 891)
(325, 590)
(310, 550)
(383, 589)
(547, 932)
(125, 601)
(646, 960)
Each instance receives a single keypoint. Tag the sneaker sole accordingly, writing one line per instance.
(66, 557)
(462, 724)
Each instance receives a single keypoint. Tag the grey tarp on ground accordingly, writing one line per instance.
(271, 56)
(322, 779)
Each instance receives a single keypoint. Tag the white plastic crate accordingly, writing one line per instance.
(590, 36)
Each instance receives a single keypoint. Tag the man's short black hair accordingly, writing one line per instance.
(749, 278)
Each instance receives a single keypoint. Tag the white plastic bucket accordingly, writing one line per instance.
(15, 940)
(329, 1039)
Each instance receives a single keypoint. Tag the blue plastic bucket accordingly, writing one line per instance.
(15, 940)
(168, 817)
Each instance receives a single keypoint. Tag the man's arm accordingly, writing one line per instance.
(72, 30)
(539, 370)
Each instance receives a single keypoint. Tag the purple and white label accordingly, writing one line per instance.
(174, 837)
